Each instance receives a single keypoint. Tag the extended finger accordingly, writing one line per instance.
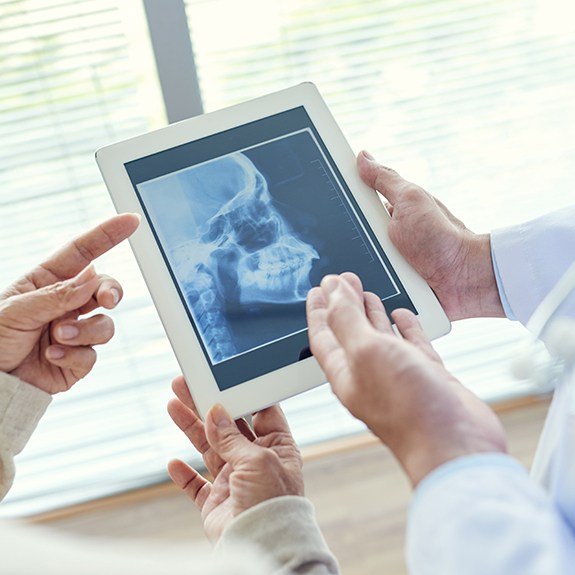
(385, 180)
(345, 313)
(79, 360)
(376, 313)
(196, 487)
(410, 328)
(270, 420)
(84, 249)
(322, 340)
(95, 330)
(354, 281)
(180, 388)
(323, 343)
(194, 429)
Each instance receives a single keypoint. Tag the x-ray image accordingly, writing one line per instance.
(245, 235)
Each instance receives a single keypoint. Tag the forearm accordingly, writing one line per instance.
(286, 530)
(21, 407)
(476, 293)
(482, 514)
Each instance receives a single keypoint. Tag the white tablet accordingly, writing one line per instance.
(244, 210)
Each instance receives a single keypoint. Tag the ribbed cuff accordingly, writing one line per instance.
(286, 530)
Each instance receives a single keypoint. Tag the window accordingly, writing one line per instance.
(71, 82)
(471, 99)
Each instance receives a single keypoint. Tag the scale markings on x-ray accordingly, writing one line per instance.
(336, 197)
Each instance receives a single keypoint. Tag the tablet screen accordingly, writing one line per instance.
(248, 220)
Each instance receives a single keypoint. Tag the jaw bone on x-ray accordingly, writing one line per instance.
(239, 250)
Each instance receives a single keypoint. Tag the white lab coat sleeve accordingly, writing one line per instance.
(529, 259)
(481, 514)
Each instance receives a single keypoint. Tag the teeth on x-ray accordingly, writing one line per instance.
(235, 249)
(271, 264)
(244, 252)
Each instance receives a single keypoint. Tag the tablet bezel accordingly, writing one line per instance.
(285, 382)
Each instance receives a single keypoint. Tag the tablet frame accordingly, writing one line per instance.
(302, 375)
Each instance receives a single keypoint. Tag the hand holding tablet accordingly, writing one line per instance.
(246, 210)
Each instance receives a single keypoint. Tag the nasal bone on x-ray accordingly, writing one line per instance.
(239, 249)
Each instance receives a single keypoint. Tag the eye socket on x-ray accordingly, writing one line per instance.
(248, 234)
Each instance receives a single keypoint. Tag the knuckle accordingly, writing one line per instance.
(365, 350)
(227, 440)
(337, 306)
(61, 291)
(411, 192)
(297, 457)
(108, 329)
(238, 479)
(265, 458)
(86, 253)
(83, 364)
(385, 176)
(92, 357)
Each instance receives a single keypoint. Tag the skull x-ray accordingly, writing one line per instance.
(247, 235)
(231, 248)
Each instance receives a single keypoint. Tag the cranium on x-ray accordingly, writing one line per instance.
(243, 251)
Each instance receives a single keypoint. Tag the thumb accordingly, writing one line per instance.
(34, 309)
(385, 180)
(226, 439)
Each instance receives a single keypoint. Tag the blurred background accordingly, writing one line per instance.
(472, 99)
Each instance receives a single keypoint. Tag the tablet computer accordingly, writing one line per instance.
(244, 210)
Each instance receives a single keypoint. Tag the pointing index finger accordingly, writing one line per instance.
(78, 253)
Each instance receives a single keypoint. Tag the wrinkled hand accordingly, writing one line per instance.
(248, 466)
(43, 340)
(454, 261)
(398, 387)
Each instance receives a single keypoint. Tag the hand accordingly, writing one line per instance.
(398, 387)
(248, 466)
(454, 261)
(42, 339)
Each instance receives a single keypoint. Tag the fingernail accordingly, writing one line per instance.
(330, 283)
(68, 332)
(88, 274)
(368, 156)
(138, 216)
(220, 416)
(55, 352)
(116, 295)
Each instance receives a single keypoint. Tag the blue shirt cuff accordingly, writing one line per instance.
(460, 464)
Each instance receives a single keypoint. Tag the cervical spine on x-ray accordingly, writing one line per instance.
(244, 252)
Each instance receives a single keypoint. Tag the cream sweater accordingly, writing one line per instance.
(278, 536)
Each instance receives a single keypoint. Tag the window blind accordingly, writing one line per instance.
(470, 99)
(71, 82)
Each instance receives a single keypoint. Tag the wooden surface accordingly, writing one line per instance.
(361, 498)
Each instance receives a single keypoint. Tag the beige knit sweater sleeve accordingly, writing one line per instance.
(279, 536)
(21, 407)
